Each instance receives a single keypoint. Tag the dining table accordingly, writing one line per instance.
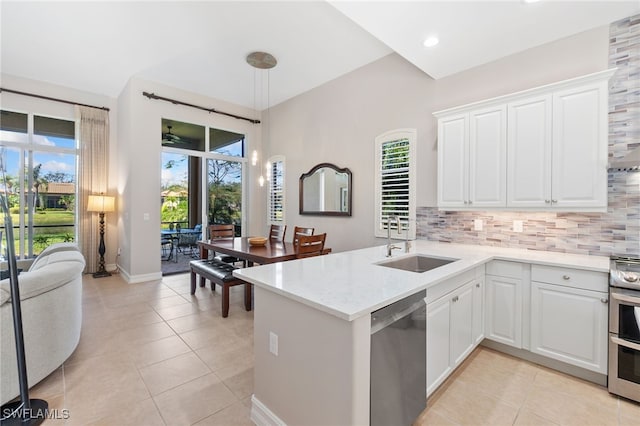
(239, 247)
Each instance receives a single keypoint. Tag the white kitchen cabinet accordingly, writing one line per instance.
(461, 324)
(450, 333)
(540, 149)
(438, 343)
(579, 155)
(453, 162)
(529, 152)
(557, 149)
(570, 323)
(478, 311)
(504, 303)
(472, 159)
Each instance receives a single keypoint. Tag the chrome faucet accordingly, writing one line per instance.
(391, 247)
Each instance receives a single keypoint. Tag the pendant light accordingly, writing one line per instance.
(261, 61)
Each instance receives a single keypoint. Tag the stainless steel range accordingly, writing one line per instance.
(624, 327)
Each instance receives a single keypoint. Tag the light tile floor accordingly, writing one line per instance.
(152, 354)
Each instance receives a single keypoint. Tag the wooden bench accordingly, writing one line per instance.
(220, 273)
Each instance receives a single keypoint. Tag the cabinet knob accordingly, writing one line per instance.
(469, 201)
(478, 285)
(547, 201)
(604, 300)
(455, 299)
(566, 277)
(554, 201)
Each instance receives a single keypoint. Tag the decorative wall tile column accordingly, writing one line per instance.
(615, 232)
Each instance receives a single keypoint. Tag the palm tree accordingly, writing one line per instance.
(38, 182)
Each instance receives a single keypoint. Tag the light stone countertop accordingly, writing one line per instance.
(351, 284)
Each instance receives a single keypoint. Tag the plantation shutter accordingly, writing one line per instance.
(394, 181)
(276, 192)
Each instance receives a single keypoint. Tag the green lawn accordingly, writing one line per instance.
(46, 231)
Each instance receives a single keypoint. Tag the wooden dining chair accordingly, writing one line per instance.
(226, 230)
(310, 245)
(299, 230)
(276, 233)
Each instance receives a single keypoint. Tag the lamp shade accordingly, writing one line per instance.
(101, 203)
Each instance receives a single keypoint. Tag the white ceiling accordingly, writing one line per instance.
(201, 46)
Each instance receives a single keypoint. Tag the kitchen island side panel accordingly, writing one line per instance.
(321, 372)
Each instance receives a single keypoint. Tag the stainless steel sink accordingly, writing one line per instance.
(416, 263)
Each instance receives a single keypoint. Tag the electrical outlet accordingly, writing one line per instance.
(518, 226)
(477, 224)
(273, 343)
(145, 216)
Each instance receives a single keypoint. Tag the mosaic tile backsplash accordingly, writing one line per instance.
(615, 232)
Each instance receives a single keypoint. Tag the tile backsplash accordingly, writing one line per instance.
(615, 232)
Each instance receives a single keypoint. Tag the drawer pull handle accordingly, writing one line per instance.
(566, 277)
(604, 300)
(547, 201)
(455, 299)
(478, 285)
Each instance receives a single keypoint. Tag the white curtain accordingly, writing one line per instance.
(93, 175)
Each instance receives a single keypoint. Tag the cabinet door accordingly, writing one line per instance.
(478, 311)
(488, 157)
(453, 163)
(529, 153)
(570, 325)
(461, 324)
(438, 342)
(579, 156)
(504, 310)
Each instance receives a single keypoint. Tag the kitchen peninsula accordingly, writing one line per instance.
(312, 322)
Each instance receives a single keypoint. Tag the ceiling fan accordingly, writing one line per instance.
(170, 137)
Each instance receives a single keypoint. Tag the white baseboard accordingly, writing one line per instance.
(262, 416)
(132, 279)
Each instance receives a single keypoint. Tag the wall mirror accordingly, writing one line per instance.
(326, 191)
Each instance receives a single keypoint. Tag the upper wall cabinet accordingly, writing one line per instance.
(542, 149)
(474, 158)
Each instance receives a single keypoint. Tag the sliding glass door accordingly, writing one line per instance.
(224, 193)
(202, 183)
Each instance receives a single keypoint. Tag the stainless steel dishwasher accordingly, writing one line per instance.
(399, 362)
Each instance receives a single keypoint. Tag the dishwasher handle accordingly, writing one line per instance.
(383, 320)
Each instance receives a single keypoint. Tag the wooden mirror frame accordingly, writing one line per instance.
(329, 212)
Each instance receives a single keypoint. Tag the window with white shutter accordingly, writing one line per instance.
(395, 183)
(276, 190)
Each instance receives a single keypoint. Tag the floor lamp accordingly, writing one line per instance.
(101, 204)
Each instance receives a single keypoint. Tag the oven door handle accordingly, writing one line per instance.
(625, 343)
(624, 298)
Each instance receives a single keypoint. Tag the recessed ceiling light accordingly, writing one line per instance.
(431, 41)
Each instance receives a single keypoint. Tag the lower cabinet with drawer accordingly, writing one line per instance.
(504, 302)
(569, 314)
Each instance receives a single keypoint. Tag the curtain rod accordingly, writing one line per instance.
(175, 102)
(64, 101)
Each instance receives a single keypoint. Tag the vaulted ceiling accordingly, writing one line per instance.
(97, 46)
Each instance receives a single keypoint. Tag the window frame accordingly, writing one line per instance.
(408, 220)
(273, 160)
(27, 149)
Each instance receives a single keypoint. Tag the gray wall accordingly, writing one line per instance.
(338, 121)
